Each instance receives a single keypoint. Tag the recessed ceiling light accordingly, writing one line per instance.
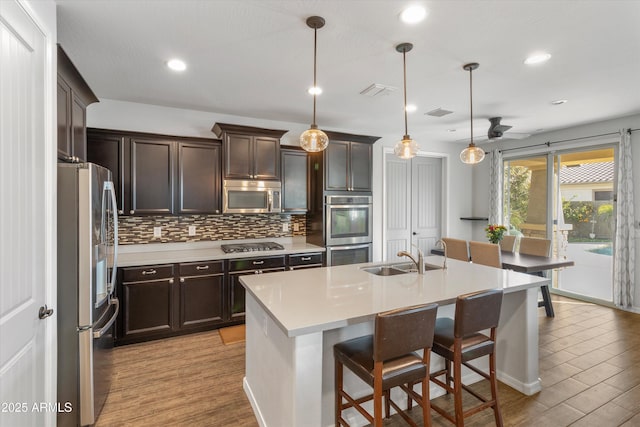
(411, 108)
(537, 58)
(314, 90)
(558, 102)
(413, 14)
(176, 65)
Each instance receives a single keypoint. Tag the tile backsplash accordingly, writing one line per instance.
(139, 229)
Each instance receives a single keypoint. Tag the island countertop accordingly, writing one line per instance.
(313, 300)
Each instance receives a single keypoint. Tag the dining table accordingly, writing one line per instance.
(531, 264)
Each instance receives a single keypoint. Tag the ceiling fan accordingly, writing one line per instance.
(498, 131)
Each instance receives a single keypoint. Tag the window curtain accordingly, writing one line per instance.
(495, 194)
(625, 257)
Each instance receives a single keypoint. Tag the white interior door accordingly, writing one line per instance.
(413, 204)
(25, 197)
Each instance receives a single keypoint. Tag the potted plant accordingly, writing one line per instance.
(495, 232)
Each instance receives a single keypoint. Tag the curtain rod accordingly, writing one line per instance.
(548, 143)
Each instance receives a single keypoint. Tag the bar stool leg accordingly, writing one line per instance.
(494, 389)
(377, 395)
(457, 388)
(338, 391)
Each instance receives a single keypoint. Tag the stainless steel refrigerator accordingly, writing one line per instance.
(87, 307)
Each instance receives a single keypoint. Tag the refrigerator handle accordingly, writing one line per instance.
(112, 284)
(98, 333)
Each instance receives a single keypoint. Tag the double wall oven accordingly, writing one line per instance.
(348, 229)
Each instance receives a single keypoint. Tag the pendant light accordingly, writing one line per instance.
(313, 139)
(472, 154)
(407, 147)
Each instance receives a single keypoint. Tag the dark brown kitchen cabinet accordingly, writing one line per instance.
(108, 150)
(159, 174)
(242, 267)
(73, 96)
(348, 166)
(249, 152)
(152, 176)
(148, 303)
(294, 164)
(199, 186)
(201, 294)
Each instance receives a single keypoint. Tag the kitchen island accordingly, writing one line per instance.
(294, 318)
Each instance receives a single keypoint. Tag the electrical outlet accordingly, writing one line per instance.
(157, 231)
(296, 226)
(192, 230)
(285, 227)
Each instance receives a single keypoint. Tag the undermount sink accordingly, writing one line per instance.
(384, 270)
(400, 268)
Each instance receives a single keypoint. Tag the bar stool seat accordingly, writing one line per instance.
(473, 346)
(387, 359)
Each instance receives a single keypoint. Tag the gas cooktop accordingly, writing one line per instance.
(251, 247)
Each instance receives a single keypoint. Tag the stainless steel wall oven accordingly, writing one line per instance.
(348, 229)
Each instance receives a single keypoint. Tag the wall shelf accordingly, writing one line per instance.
(474, 218)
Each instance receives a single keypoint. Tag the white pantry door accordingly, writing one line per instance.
(23, 219)
(413, 204)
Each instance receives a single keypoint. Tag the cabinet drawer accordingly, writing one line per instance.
(201, 268)
(150, 272)
(256, 263)
(303, 259)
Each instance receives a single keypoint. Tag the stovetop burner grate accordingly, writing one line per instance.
(251, 247)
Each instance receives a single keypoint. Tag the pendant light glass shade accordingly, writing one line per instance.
(406, 148)
(472, 154)
(313, 139)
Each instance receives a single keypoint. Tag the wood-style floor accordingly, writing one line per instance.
(589, 365)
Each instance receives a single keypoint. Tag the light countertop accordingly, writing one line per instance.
(319, 299)
(166, 253)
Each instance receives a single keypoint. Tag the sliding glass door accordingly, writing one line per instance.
(568, 197)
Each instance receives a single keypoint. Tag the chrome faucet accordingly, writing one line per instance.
(419, 263)
(444, 247)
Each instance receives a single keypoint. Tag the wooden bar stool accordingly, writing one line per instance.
(456, 248)
(460, 341)
(386, 360)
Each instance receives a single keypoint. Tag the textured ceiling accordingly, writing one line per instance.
(254, 59)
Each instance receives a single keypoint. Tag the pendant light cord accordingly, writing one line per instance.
(471, 100)
(404, 65)
(315, 86)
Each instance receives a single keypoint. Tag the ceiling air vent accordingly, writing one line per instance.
(377, 89)
(438, 112)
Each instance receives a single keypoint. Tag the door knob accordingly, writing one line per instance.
(45, 312)
(414, 233)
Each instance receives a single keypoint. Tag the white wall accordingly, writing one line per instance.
(112, 114)
(481, 174)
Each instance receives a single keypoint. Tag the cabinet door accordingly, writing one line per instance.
(198, 178)
(108, 151)
(78, 128)
(237, 292)
(360, 169)
(266, 158)
(147, 308)
(294, 181)
(238, 157)
(64, 120)
(337, 166)
(201, 301)
(151, 176)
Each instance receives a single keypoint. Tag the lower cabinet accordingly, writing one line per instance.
(158, 301)
(242, 267)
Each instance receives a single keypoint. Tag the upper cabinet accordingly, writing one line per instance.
(158, 174)
(249, 152)
(346, 163)
(294, 179)
(73, 97)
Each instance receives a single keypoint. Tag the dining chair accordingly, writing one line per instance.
(534, 246)
(456, 248)
(508, 243)
(539, 247)
(485, 254)
(387, 359)
(459, 341)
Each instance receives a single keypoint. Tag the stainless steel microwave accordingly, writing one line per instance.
(240, 196)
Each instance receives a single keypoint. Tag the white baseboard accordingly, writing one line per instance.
(254, 404)
(525, 388)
